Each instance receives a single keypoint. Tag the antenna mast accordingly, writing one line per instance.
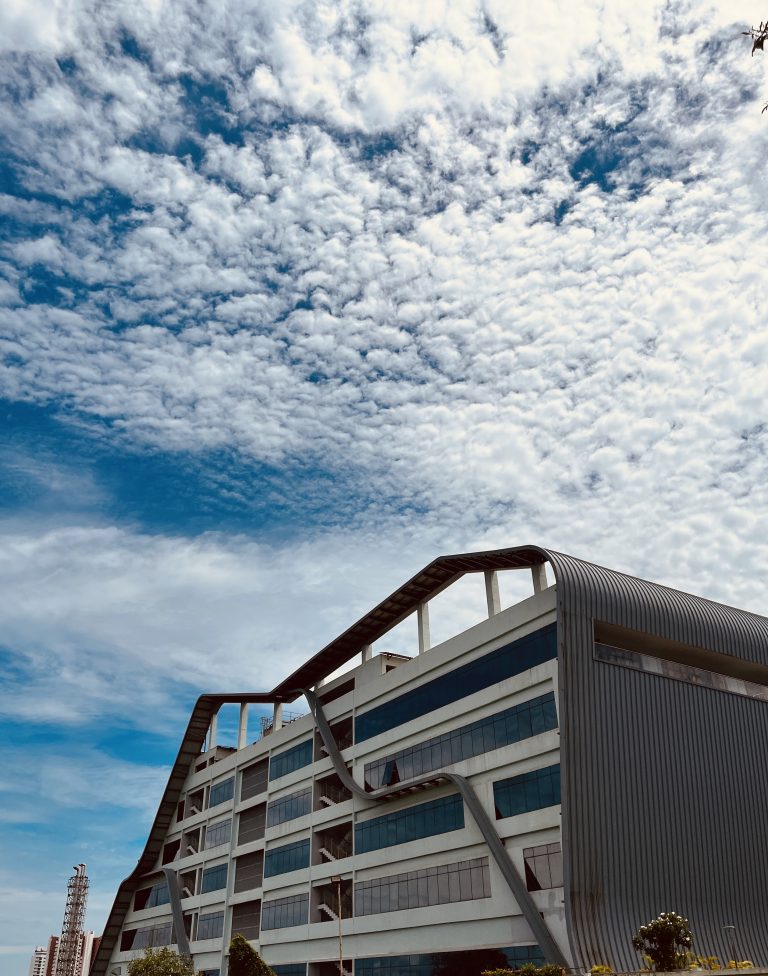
(68, 959)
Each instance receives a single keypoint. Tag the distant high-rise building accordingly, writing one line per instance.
(38, 961)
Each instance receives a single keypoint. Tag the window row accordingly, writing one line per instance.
(289, 857)
(214, 878)
(148, 937)
(283, 913)
(529, 791)
(218, 834)
(289, 807)
(210, 926)
(440, 885)
(413, 823)
(511, 725)
(512, 659)
(543, 866)
(449, 963)
(291, 759)
(158, 894)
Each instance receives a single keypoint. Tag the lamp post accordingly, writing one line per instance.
(336, 879)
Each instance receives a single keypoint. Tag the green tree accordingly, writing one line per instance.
(161, 962)
(245, 961)
(666, 941)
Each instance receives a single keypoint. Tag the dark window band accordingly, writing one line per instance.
(529, 791)
(412, 823)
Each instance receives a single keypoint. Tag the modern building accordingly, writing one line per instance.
(535, 787)
(38, 961)
(45, 958)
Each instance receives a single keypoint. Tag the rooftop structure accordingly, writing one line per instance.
(536, 787)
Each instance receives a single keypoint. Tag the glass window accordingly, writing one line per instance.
(251, 824)
(246, 918)
(529, 791)
(214, 878)
(290, 857)
(210, 926)
(437, 885)
(511, 725)
(249, 871)
(218, 834)
(294, 758)
(413, 823)
(514, 658)
(151, 897)
(220, 792)
(289, 807)
(153, 936)
(285, 912)
(449, 963)
(290, 969)
(543, 866)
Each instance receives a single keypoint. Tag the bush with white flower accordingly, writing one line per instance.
(665, 941)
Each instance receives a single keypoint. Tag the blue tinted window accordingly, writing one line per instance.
(221, 792)
(528, 791)
(289, 807)
(290, 969)
(158, 895)
(214, 878)
(210, 926)
(503, 663)
(511, 725)
(413, 823)
(449, 963)
(290, 857)
(285, 912)
(294, 758)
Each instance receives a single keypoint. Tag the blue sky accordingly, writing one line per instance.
(295, 297)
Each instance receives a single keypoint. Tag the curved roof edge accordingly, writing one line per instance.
(585, 584)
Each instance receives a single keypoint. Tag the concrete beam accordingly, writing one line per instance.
(242, 732)
(422, 625)
(492, 592)
(367, 652)
(277, 716)
(539, 574)
(212, 730)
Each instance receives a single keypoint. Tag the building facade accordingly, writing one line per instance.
(38, 961)
(534, 788)
(45, 958)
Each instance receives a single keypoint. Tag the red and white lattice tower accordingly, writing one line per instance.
(70, 944)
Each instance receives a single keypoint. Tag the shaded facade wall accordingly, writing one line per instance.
(665, 787)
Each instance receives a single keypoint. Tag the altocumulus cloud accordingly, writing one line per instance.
(485, 273)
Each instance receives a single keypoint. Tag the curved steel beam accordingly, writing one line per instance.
(541, 933)
(182, 942)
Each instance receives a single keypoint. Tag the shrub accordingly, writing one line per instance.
(161, 962)
(744, 964)
(244, 960)
(600, 969)
(527, 969)
(665, 941)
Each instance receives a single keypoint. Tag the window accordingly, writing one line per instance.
(543, 867)
(151, 897)
(289, 807)
(290, 857)
(251, 824)
(439, 885)
(254, 779)
(413, 823)
(449, 963)
(221, 792)
(285, 912)
(149, 937)
(214, 878)
(245, 919)
(514, 658)
(249, 870)
(513, 724)
(210, 926)
(218, 834)
(290, 969)
(529, 791)
(283, 763)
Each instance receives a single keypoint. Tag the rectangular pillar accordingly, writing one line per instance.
(277, 716)
(212, 730)
(367, 652)
(422, 624)
(539, 574)
(242, 732)
(492, 592)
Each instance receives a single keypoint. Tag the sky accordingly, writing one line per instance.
(297, 296)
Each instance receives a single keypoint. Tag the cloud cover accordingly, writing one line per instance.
(387, 283)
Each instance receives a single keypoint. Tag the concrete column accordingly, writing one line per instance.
(212, 730)
(242, 732)
(277, 716)
(367, 652)
(539, 574)
(422, 624)
(492, 592)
